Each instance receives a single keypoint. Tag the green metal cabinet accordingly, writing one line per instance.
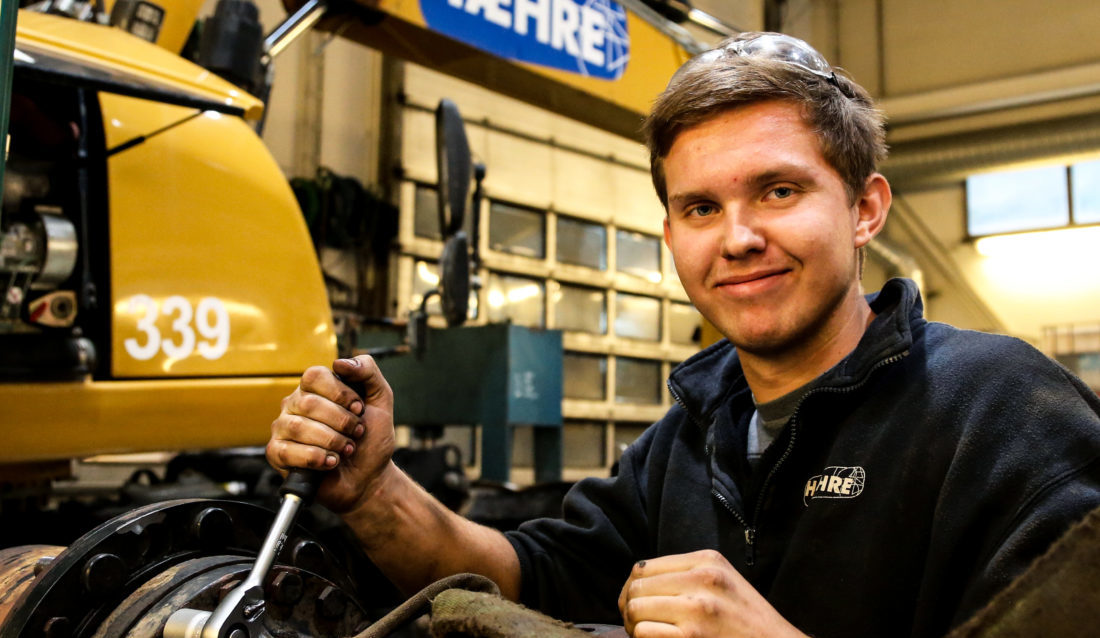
(496, 376)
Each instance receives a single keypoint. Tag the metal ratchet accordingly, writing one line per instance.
(240, 613)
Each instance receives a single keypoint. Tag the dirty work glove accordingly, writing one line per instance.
(460, 613)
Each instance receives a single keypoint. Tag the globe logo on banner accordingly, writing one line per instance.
(588, 37)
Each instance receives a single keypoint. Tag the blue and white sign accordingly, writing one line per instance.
(588, 37)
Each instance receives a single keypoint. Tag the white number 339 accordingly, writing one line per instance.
(211, 320)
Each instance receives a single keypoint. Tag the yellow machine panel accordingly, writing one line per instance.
(117, 52)
(45, 421)
(188, 298)
(212, 267)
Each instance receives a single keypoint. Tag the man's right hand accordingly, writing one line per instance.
(325, 425)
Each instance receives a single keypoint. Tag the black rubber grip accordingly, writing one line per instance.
(302, 483)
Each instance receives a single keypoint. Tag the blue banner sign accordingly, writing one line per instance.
(588, 37)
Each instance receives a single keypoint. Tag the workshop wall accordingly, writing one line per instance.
(551, 185)
(325, 104)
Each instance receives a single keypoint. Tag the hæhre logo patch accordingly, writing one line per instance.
(835, 482)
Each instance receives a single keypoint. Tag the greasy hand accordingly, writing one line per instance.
(695, 595)
(324, 425)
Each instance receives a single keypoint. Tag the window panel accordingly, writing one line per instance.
(515, 230)
(519, 167)
(627, 433)
(637, 381)
(638, 254)
(426, 214)
(582, 243)
(523, 446)
(418, 143)
(685, 324)
(464, 437)
(425, 279)
(637, 317)
(583, 444)
(581, 309)
(1085, 178)
(1017, 200)
(516, 299)
(581, 182)
(584, 376)
(426, 218)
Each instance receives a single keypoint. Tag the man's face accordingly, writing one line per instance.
(761, 229)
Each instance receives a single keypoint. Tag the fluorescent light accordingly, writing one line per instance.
(523, 293)
(1056, 245)
(426, 275)
(1044, 265)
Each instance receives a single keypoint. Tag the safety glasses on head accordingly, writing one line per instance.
(770, 46)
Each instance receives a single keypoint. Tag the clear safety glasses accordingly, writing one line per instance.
(770, 46)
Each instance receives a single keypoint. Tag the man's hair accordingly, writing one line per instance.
(850, 129)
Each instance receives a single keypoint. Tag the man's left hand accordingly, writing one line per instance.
(695, 595)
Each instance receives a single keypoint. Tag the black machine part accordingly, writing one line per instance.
(38, 252)
(240, 614)
(139, 17)
(454, 279)
(232, 43)
(126, 576)
(455, 170)
(454, 167)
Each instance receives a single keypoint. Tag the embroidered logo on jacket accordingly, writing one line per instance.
(835, 482)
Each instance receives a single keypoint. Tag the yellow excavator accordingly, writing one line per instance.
(160, 284)
(159, 289)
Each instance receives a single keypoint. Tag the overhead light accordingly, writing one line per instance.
(426, 275)
(1057, 245)
(523, 293)
(1043, 265)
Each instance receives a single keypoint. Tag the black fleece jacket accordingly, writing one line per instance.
(931, 466)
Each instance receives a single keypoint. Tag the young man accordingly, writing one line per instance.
(839, 466)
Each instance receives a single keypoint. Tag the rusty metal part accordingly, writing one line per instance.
(240, 614)
(198, 581)
(128, 575)
(18, 568)
(286, 588)
(307, 554)
(197, 584)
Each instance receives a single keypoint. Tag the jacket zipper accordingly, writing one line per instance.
(750, 530)
(794, 430)
(680, 402)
